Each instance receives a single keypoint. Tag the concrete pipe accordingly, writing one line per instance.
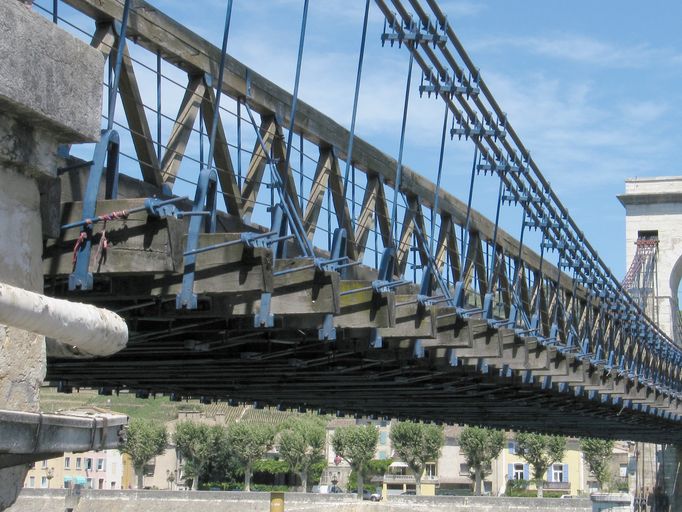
(91, 330)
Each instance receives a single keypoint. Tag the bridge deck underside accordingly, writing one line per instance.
(391, 356)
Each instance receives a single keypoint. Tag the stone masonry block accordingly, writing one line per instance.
(48, 78)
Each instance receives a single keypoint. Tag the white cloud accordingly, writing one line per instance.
(583, 49)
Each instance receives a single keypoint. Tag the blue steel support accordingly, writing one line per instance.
(204, 210)
(393, 221)
(204, 207)
(113, 90)
(106, 154)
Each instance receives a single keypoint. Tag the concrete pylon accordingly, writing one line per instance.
(654, 206)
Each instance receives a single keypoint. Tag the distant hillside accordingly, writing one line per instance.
(159, 408)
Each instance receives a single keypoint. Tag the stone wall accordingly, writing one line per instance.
(205, 501)
(50, 93)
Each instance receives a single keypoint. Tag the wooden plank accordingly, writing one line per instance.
(317, 191)
(341, 205)
(182, 130)
(103, 39)
(365, 309)
(405, 241)
(137, 243)
(284, 169)
(367, 216)
(259, 159)
(133, 106)
(411, 320)
(305, 291)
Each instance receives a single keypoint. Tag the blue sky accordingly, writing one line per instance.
(592, 88)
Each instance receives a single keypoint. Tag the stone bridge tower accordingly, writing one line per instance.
(653, 209)
(653, 212)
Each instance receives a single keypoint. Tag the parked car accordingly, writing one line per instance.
(408, 493)
(371, 496)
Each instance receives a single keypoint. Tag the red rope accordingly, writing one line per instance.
(104, 242)
(119, 215)
(79, 242)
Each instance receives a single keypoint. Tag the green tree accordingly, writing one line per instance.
(144, 439)
(202, 447)
(540, 451)
(480, 446)
(597, 453)
(247, 443)
(416, 444)
(301, 444)
(356, 445)
(375, 467)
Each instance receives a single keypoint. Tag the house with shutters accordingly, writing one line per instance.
(566, 475)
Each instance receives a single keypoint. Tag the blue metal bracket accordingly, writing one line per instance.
(412, 33)
(264, 318)
(375, 340)
(204, 215)
(105, 160)
(337, 255)
(384, 281)
(275, 238)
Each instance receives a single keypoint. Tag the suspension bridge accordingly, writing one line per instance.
(354, 285)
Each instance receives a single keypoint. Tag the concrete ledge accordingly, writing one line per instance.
(47, 76)
(207, 501)
(27, 436)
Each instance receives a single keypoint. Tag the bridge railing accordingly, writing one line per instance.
(476, 267)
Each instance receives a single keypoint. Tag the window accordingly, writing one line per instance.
(79, 463)
(67, 462)
(463, 469)
(623, 470)
(44, 465)
(383, 438)
(382, 455)
(518, 472)
(558, 473)
(31, 481)
(88, 485)
(431, 470)
(100, 483)
(113, 485)
(100, 464)
(67, 483)
(88, 464)
(512, 447)
(43, 482)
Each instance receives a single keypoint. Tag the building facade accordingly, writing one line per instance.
(90, 470)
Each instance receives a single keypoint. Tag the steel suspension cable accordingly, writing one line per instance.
(294, 99)
(219, 86)
(436, 192)
(393, 226)
(117, 68)
(349, 153)
(465, 231)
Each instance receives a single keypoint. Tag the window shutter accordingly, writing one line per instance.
(565, 472)
(525, 472)
(549, 474)
(510, 469)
